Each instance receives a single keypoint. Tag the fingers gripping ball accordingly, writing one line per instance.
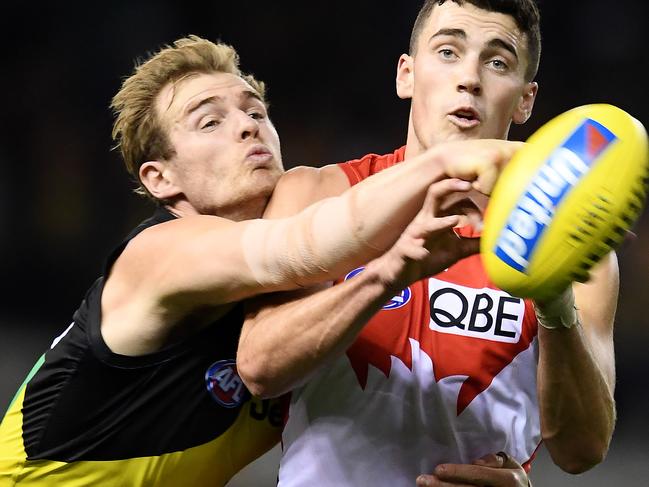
(565, 200)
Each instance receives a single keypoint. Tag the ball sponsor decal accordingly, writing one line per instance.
(395, 302)
(563, 170)
(224, 384)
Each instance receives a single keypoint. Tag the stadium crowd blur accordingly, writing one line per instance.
(65, 199)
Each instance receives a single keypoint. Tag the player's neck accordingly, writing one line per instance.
(413, 147)
(248, 209)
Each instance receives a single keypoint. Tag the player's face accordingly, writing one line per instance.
(227, 153)
(466, 78)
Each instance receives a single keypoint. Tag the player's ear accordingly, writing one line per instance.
(405, 76)
(525, 103)
(159, 180)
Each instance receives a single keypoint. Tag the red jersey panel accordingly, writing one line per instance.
(444, 372)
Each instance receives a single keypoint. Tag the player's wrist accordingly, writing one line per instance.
(387, 272)
(559, 313)
(429, 165)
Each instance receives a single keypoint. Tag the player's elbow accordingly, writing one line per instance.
(580, 458)
(581, 464)
(581, 447)
(256, 378)
(260, 389)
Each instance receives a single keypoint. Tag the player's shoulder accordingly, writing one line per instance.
(326, 179)
(303, 186)
(158, 248)
(177, 231)
(361, 168)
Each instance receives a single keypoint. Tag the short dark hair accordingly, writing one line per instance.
(525, 13)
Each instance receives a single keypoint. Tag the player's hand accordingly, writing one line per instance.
(428, 245)
(480, 161)
(493, 470)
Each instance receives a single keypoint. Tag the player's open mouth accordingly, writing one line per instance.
(465, 117)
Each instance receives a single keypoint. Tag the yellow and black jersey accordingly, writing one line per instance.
(86, 416)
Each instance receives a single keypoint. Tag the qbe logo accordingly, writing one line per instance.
(485, 313)
(224, 384)
(395, 302)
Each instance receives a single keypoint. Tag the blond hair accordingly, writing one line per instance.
(137, 130)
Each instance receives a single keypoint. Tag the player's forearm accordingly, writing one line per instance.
(339, 233)
(281, 346)
(576, 397)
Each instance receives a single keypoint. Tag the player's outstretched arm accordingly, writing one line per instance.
(200, 262)
(576, 376)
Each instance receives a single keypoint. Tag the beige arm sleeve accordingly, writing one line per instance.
(320, 243)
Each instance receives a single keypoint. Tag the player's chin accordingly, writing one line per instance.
(265, 180)
(459, 134)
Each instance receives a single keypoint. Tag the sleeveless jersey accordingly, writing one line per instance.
(445, 372)
(86, 416)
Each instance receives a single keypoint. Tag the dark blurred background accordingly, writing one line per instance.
(65, 198)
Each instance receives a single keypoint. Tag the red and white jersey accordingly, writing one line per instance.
(445, 372)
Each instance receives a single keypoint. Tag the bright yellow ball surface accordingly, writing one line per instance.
(565, 200)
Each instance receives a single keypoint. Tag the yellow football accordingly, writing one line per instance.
(565, 200)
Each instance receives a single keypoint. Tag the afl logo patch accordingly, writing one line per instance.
(224, 384)
(395, 302)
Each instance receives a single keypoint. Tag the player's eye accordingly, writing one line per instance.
(446, 53)
(210, 123)
(499, 64)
